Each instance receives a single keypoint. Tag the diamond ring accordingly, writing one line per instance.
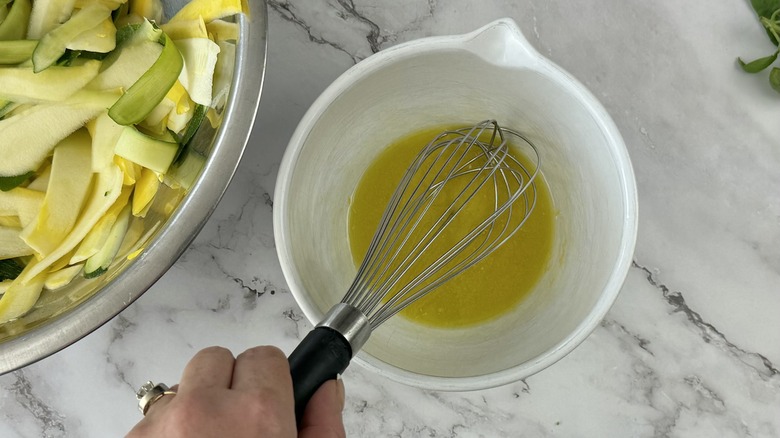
(149, 393)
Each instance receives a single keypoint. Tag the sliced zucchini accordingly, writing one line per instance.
(120, 13)
(200, 58)
(99, 263)
(10, 182)
(3, 9)
(130, 35)
(123, 72)
(192, 127)
(142, 149)
(185, 171)
(59, 119)
(41, 181)
(100, 39)
(47, 15)
(52, 45)
(6, 106)
(16, 51)
(14, 27)
(51, 85)
(151, 87)
(10, 269)
(110, 4)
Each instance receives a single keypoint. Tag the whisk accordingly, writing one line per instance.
(394, 273)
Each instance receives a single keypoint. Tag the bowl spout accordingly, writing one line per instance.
(503, 44)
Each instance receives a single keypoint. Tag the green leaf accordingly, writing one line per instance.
(774, 79)
(765, 9)
(758, 64)
(9, 182)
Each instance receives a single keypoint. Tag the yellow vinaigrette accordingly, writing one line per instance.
(487, 290)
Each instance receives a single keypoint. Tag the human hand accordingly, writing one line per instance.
(249, 396)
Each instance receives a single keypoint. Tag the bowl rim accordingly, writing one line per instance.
(189, 217)
(534, 60)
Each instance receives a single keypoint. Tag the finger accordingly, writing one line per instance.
(322, 417)
(209, 368)
(262, 374)
(264, 370)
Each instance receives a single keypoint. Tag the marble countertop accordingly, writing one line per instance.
(691, 348)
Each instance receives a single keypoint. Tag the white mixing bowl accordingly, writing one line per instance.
(490, 73)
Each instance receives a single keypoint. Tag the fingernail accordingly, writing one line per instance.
(341, 393)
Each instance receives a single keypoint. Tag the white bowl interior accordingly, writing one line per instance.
(415, 89)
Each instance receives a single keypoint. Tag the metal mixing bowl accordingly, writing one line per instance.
(64, 316)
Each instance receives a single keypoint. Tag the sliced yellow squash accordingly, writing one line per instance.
(221, 30)
(149, 9)
(11, 245)
(209, 10)
(96, 238)
(183, 29)
(61, 277)
(69, 183)
(21, 202)
(105, 191)
(145, 189)
(21, 296)
(105, 133)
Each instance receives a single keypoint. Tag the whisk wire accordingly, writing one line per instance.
(386, 239)
(401, 240)
(372, 265)
(416, 208)
(450, 214)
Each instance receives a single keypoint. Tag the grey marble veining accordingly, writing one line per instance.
(691, 348)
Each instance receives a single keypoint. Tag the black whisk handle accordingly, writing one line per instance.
(321, 356)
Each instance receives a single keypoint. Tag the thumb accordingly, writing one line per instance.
(322, 417)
